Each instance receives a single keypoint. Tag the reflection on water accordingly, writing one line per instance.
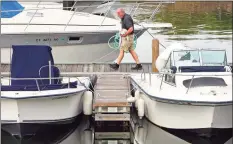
(47, 133)
(151, 134)
(81, 133)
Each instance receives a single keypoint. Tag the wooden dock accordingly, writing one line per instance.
(110, 97)
(92, 67)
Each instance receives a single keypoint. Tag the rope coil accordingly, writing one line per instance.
(115, 44)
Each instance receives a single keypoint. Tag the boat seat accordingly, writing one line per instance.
(199, 69)
(42, 87)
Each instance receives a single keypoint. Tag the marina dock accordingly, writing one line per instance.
(91, 67)
(107, 101)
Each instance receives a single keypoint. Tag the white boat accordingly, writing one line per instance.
(35, 93)
(76, 37)
(192, 91)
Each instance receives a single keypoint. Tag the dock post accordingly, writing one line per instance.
(155, 53)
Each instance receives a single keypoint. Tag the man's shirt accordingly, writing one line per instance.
(127, 22)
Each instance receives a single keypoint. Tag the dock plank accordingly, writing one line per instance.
(94, 67)
(111, 91)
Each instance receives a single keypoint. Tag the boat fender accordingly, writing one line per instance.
(137, 96)
(131, 99)
(141, 107)
(87, 137)
(87, 103)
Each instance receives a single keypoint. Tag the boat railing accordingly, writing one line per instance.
(106, 15)
(133, 10)
(75, 75)
(155, 12)
(68, 83)
(143, 76)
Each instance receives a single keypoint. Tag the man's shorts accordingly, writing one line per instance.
(127, 43)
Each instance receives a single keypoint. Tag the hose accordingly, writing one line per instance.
(117, 40)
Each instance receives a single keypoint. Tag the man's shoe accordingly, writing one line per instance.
(137, 67)
(114, 66)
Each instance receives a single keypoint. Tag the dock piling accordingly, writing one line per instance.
(155, 53)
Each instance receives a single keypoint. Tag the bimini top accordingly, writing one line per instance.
(27, 61)
(31, 67)
(10, 8)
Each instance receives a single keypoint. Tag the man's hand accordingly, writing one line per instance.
(129, 31)
(123, 35)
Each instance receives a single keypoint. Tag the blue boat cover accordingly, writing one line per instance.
(27, 60)
(10, 8)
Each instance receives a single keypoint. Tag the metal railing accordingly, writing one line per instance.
(44, 85)
(106, 15)
(155, 12)
(37, 8)
(75, 75)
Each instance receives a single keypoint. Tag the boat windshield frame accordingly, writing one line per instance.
(199, 57)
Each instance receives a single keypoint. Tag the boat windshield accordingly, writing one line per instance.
(199, 58)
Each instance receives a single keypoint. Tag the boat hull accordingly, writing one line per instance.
(182, 116)
(29, 130)
(24, 116)
(67, 48)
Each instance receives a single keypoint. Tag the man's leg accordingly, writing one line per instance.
(115, 66)
(120, 57)
(134, 55)
(124, 47)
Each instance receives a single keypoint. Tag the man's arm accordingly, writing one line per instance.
(129, 24)
(129, 31)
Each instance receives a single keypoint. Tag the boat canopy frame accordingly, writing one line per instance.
(134, 8)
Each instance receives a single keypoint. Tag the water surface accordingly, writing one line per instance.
(81, 132)
(196, 25)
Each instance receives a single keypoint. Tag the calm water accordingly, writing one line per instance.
(81, 133)
(197, 25)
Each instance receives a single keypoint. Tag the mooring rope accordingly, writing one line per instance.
(117, 41)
